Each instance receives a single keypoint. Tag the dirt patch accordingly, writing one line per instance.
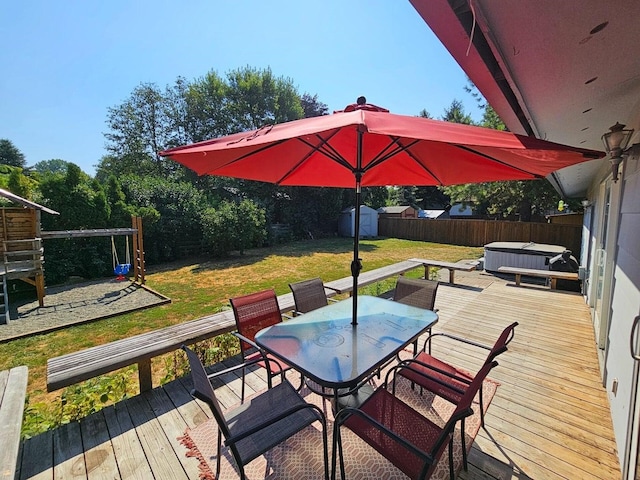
(77, 303)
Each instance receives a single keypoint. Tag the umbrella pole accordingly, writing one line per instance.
(356, 264)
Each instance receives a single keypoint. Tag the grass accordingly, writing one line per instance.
(202, 286)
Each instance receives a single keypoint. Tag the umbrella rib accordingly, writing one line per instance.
(489, 157)
(384, 155)
(323, 148)
(401, 148)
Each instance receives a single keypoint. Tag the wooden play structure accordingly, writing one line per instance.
(21, 248)
(22, 251)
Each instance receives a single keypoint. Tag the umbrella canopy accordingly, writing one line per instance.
(365, 145)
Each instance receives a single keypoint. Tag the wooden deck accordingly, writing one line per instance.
(549, 419)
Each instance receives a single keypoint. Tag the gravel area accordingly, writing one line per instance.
(78, 303)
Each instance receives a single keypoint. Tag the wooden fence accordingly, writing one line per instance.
(476, 233)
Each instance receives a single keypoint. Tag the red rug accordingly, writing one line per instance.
(300, 457)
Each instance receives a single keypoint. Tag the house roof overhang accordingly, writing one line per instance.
(559, 71)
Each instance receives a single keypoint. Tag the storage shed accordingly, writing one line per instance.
(402, 211)
(368, 222)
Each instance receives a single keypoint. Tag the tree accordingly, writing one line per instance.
(20, 184)
(10, 155)
(54, 166)
(139, 129)
(82, 203)
(256, 98)
(312, 106)
(456, 114)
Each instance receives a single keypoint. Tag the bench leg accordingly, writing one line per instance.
(451, 272)
(144, 375)
(518, 278)
(553, 283)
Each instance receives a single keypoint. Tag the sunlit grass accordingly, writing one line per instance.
(202, 287)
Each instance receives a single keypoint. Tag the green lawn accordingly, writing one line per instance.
(201, 287)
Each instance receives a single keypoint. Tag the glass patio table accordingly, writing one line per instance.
(325, 347)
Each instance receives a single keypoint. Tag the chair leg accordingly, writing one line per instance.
(219, 454)
(451, 474)
(481, 409)
(242, 388)
(325, 444)
(464, 445)
(337, 449)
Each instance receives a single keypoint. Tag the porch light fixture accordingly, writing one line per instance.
(615, 142)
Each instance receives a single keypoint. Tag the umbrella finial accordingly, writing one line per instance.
(361, 100)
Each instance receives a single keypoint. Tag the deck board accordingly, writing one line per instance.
(549, 419)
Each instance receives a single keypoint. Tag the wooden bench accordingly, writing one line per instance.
(452, 267)
(94, 361)
(553, 276)
(140, 349)
(13, 389)
(345, 285)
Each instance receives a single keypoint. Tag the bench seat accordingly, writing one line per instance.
(345, 285)
(452, 267)
(13, 390)
(552, 275)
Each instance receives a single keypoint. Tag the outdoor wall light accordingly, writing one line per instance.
(615, 142)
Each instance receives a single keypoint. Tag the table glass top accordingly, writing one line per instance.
(324, 344)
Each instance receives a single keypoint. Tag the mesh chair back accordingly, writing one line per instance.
(417, 292)
(254, 312)
(503, 340)
(203, 390)
(308, 295)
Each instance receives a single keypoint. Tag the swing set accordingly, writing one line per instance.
(120, 269)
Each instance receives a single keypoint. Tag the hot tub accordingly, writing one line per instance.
(519, 254)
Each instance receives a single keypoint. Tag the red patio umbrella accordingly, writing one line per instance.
(365, 145)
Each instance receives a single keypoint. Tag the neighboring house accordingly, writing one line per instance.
(566, 73)
(398, 211)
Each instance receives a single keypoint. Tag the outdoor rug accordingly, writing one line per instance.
(300, 457)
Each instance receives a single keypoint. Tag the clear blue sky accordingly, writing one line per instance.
(65, 63)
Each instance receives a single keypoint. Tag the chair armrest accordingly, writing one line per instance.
(453, 337)
(408, 364)
(246, 340)
(264, 356)
(337, 290)
(242, 365)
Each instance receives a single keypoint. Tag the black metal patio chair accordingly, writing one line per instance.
(254, 428)
(309, 295)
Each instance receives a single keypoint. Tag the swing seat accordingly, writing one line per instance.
(121, 270)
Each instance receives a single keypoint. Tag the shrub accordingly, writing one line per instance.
(234, 226)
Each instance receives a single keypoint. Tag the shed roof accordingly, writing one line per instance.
(24, 202)
(394, 209)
